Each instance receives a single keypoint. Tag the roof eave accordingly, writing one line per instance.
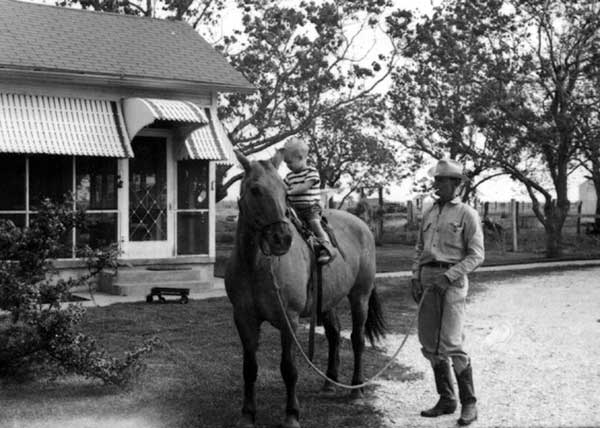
(96, 79)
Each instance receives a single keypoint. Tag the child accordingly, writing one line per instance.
(304, 192)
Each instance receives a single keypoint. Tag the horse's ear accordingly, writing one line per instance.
(277, 158)
(243, 160)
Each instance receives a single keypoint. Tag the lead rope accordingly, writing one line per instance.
(316, 369)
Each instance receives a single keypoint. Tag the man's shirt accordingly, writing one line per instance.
(450, 235)
(311, 196)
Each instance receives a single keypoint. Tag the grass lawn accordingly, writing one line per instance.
(398, 257)
(194, 378)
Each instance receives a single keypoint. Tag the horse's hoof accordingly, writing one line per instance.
(357, 394)
(328, 387)
(290, 422)
(245, 421)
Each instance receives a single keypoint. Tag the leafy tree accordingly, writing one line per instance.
(522, 96)
(433, 92)
(588, 126)
(301, 56)
(37, 333)
(300, 59)
(347, 146)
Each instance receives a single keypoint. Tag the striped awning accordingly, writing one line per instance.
(41, 124)
(229, 158)
(141, 112)
(209, 142)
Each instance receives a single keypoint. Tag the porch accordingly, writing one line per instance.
(152, 194)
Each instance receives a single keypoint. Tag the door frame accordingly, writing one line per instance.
(148, 249)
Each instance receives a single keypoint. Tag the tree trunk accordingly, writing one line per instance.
(553, 242)
(555, 219)
(222, 186)
(379, 218)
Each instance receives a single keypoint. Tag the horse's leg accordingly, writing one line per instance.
(359, 308)
(331, 322)
(289, 373)
(248, 329)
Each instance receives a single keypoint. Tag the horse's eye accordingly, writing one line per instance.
(255, 190)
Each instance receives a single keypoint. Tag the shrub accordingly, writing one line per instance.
(38, 334)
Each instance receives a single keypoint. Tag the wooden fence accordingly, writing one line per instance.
(503, 220)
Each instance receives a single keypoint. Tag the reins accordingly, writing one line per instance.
(319, 371)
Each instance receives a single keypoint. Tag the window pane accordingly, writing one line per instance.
(192, 233)
(96, 183)
(49, 177)
(148, 190)
(17, 219)
(101, 230)
(12, 177)
(192, 184)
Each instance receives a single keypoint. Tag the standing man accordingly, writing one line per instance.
(449, 246)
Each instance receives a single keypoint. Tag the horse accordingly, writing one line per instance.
(270, 257)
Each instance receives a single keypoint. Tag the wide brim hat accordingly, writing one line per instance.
(448, 168)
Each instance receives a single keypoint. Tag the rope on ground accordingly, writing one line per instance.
(319, 371)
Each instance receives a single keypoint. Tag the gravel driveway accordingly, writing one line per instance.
(534, 343)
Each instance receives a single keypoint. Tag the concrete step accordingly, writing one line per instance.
(143, 289)
(138, 281)
(140, 275)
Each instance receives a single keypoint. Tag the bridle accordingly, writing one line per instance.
(259, 228)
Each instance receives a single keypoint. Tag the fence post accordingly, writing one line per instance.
(513, 212)
(579, 217)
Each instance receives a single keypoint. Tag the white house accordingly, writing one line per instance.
(121, 111)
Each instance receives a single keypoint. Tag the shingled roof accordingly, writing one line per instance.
(35, 37)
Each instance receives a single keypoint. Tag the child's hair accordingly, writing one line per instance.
(295, 146)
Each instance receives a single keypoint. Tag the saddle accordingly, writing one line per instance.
(314, 243)
(314, 287)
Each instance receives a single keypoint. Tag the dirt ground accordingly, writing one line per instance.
(534, 343)
(533, 336)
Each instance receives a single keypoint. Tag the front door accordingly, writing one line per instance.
(150, 231)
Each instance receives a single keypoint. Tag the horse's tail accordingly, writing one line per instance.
(375, 327)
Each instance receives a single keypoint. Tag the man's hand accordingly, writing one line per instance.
(416, 289)
(441, 284)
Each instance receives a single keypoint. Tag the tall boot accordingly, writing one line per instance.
(446, 405)
(466, 392)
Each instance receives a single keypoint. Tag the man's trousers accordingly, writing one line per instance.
(441, 320)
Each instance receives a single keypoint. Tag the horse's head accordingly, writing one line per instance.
(263, 204)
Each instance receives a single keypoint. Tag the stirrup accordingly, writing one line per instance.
(324, 257)
(326, 252)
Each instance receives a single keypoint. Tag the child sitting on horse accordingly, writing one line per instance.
(304, 193)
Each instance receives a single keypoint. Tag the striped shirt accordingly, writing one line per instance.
(311, 196)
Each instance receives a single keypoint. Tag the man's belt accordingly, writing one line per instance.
(441, 265)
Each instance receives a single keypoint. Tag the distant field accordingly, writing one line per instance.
(397, 243)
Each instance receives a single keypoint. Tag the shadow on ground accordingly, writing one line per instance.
(194, 378)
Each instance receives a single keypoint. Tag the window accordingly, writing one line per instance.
(192, 207)
(49, 177)
(96, 183)
(29, 179)
(148, 190)
(12, 179)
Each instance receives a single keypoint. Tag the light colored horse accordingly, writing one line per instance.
(269, 252)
